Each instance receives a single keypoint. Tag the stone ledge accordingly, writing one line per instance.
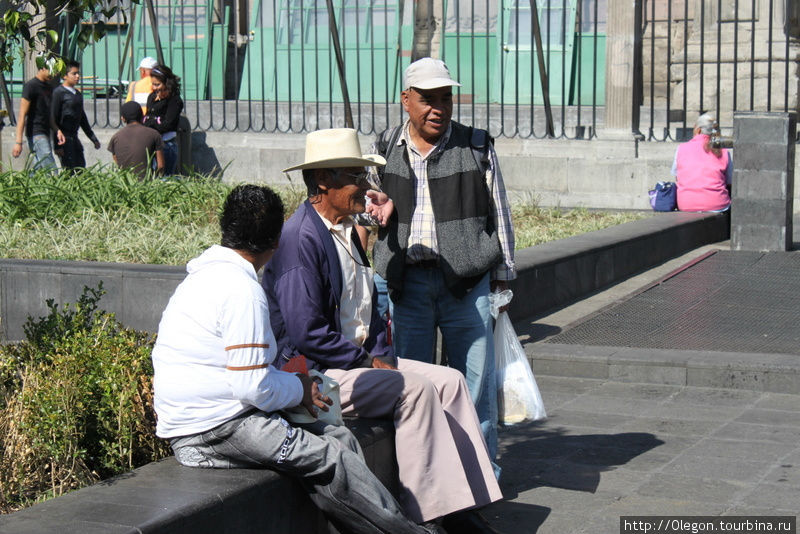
(560, 272)
(776, 373)
(549, 275)
(165, 497)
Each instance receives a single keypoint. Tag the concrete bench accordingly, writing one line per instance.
(166, 497)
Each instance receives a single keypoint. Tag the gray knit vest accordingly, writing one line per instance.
(462, 206)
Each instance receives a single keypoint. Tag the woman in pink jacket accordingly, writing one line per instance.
(703, 172)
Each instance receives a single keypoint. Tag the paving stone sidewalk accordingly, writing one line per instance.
(610, 449)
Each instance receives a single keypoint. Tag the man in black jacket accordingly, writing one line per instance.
(66, 116)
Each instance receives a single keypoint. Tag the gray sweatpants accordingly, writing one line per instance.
(327, 461)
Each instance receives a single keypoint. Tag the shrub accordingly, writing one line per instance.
(76, 400)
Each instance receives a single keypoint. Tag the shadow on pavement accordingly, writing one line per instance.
(507, 516)
(533, 456)
(532, 332)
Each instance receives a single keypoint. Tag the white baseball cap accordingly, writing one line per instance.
(428, 73)
(147, 63)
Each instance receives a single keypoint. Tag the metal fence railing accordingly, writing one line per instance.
(714, 55)
(269, 65)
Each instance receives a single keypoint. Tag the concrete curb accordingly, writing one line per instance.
(563, 271)
(776, 373)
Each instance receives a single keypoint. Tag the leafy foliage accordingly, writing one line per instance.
(104, 214)
(43, 195)
(76, 401)
(20, 28)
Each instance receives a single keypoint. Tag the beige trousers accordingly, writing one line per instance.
(441, 454)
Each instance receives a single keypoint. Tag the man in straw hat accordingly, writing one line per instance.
(218, 394)
(450, 240)
(322, 306)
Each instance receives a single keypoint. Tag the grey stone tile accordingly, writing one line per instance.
(569, 476)
(687, 412)
(564, 384)
(620, 481)
(773, 496)
(753, 432)
(636, 391)
(649, 462)
(644, 505)
(716, 397)
(566, 501)
(754, 511)
(770, 417)
(718, 468)
(619, 406)
(779, 401)
(659, 374)
(695, 489)
(605, 421)
(786, 473)
(663, 425)
(558, 523)
(558, 367)
(742, 450)
(555, 400)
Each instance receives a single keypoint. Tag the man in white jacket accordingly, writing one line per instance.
(217, 394)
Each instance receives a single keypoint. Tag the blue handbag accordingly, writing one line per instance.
(664, 197)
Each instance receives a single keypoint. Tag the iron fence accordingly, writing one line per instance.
(714, 55)
(269, 65)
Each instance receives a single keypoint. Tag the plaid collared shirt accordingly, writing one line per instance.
(422, 243)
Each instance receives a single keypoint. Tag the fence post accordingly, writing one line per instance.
(620, 66)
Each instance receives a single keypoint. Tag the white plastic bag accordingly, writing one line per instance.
(328, 386)
(518, 396)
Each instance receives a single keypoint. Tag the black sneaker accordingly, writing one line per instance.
(467, 522)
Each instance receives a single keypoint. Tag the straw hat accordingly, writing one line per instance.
(335, 148)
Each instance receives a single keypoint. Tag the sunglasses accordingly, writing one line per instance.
(360, 178)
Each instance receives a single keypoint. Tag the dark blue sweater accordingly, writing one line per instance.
(303, 282)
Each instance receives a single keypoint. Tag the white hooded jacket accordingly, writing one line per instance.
(214, 352)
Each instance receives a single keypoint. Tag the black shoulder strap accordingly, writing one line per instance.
(479, 143)
(388, 139)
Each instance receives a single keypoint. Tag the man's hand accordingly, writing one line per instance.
(380, 207)
(60, 137)
(97, 144)
(17, 150)
(312, 398)
(495, 286)
(380, 364)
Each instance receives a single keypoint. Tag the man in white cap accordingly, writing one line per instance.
(139, 90)
(450, 240)
(323, 307)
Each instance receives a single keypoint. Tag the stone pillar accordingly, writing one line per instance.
(763, 181)
(619, 67)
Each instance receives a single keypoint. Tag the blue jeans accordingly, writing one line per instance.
(170, 156)
(467, 330)
(325, 459)
(42, 150)
(383, 294)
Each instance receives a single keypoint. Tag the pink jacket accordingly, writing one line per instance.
(702, 176)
